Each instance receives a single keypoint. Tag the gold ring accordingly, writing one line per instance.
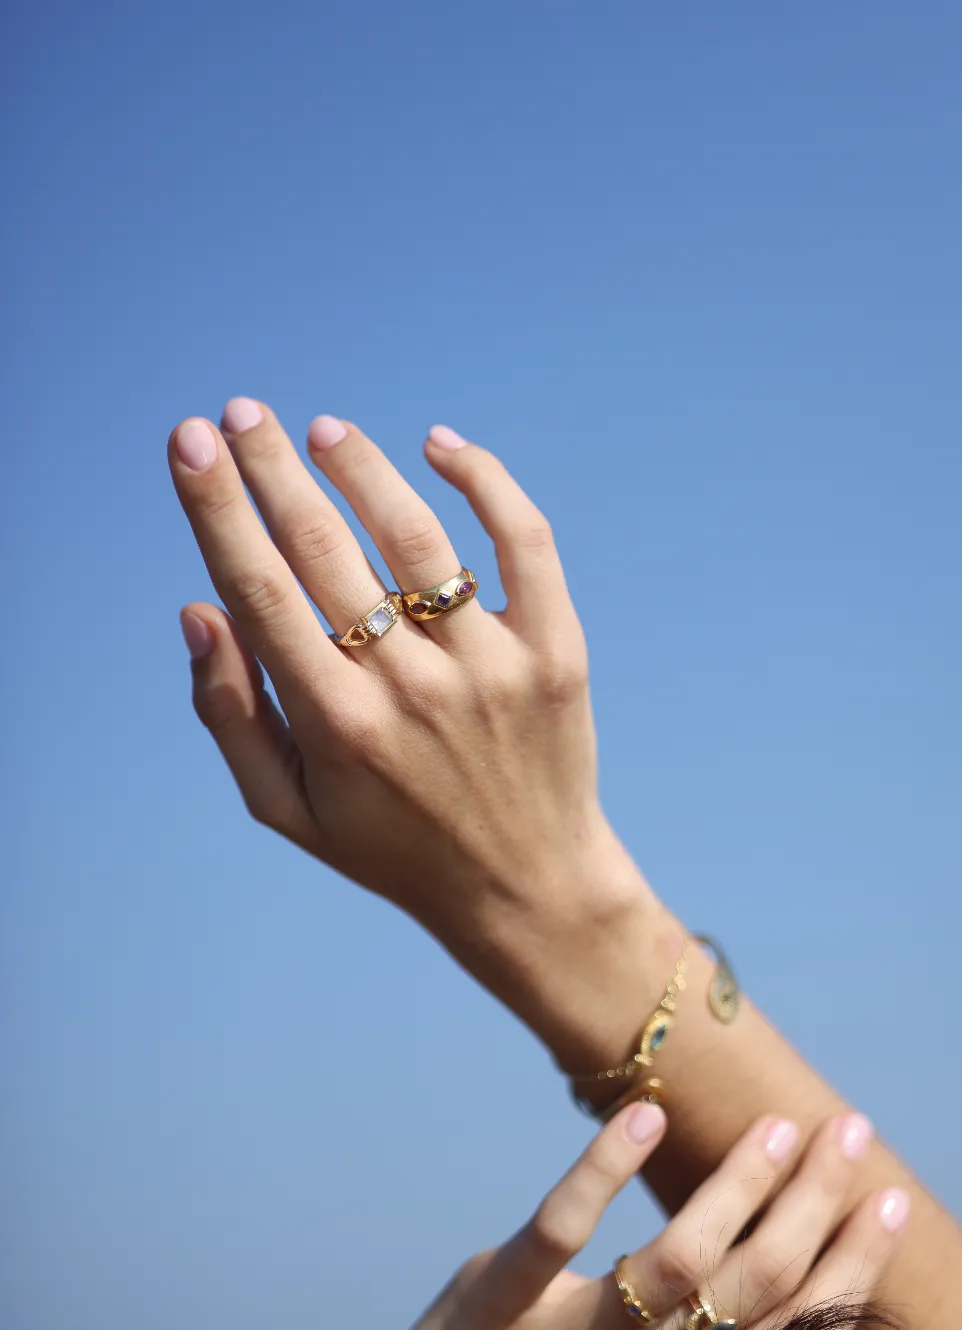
(633, 1305)
(373, 624)
(443, 598)
(703, 1314)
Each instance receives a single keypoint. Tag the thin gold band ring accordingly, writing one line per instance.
(633, 1305)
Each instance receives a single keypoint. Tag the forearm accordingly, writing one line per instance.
(589, 997)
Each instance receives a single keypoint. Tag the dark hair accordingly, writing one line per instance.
(841, 1316)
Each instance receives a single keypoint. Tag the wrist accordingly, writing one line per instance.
(584, 968)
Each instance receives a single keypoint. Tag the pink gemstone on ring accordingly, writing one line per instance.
(465, 588)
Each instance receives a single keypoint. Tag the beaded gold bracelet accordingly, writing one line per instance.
(723, 1000)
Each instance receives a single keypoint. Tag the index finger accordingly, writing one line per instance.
(250, 574)
(564, 1221)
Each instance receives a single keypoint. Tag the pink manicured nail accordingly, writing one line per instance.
(643, 1123)
(197, 635)
(894, 1209)
(325, 431)
(196, 446)
(856, 1132)
(445, 437)
(241, 413)
(781, 1140)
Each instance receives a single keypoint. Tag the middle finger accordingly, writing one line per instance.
(412, 541)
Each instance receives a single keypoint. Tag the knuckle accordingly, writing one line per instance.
(274, 808)
(259, 593)
(562, 677)
(677, 1264)
(557, 1230)
(533, 532)
(355, 730)
(257, 445)
(417, 541)
(262, 808)
(213, 500)
(314, 541)
(776, 1271)
(217, 708)
(422, 688)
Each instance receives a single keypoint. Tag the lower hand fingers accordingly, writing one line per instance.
(686, 1252)
(852, 1268)
(566, 1218)
(769, 1265)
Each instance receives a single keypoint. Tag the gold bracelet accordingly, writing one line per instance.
(723, 1001)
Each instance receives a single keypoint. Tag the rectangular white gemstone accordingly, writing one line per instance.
(380, 620)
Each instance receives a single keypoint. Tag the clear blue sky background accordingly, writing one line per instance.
(693, 271)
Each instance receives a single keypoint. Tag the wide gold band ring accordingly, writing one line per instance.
(703, 1316)
(373, 624)
(633, 1305)
(441, 599)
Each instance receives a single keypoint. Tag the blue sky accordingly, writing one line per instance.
(693, 272)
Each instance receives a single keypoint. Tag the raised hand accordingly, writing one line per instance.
(448, 765)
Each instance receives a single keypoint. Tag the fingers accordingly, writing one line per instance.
(686, 1253)
(853, 1266)
(250, 574)
(254, 739)
(539, 607)
(306, 526)
(566, 1218)
(405, 530)
(770, 1264)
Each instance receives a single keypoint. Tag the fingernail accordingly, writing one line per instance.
(325, 431)
(196, 446)
(781, 1140)
(894, 1209)
(856, 1133)
(197, 635)
(241, 413)
(445, 437)
(643, 1123)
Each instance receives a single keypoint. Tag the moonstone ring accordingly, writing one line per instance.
(441, 599)
(373, 624)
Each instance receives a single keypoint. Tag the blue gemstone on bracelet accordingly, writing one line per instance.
(658, 1038)
(635, 1311)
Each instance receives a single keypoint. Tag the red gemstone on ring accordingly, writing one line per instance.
(465, 588)
(420, 607)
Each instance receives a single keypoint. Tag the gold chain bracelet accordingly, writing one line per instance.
(723, 1000)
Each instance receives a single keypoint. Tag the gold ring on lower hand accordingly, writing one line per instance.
(633, 1305)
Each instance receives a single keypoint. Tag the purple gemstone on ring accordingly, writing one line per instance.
(465, 588)
(442, 599)
(420, 607)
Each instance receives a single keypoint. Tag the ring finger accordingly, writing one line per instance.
(686, 1253)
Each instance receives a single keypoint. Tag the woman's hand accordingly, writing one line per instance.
(449, 765)
(782, 1270)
